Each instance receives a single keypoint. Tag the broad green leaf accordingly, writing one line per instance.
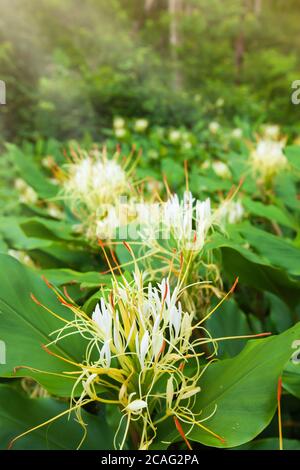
(270, 443)
(31, 173)
(173, 171)
(291, 375)
(280, 252)
(259, 275)
(239, 260)
(239, 393)
(293, 155)
(61, 255)
(18, 414)
(271, 212)
(200, 184)
(25, 327)
(16, 237)
(280, 314)
(60, 277)
(39, 227)
(228, 320)
(286, 189)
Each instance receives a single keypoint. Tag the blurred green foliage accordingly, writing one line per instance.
(70, 68)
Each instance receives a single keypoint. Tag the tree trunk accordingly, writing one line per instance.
(257, 7)
(239, 46)
(175, 7)
(148, 5)
(239, 56)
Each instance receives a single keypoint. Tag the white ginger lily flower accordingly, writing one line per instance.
(136, 338)
(93, 182)
(118, 123)
(187, 220)
(230, 212)
(158, 317)
(88, 382)
(120, 133)
(237, 133)
(221, 169)
(214, 127)
(141, 125)
(27, 195)
(136, 406)
(175, 136)
(268, 158)
(272, 131)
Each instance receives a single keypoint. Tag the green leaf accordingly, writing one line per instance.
(270, 443)
(240, 393)
(49, 229)
(31, 173)
(270, 212)
(25, 327)
(16, 238)
(200, 184)
(286, 189)
(173, 171)
(278, 251)
(280, 315)
(263, 276)
(293, 155)
(229, 320)
(239, 260)
(60, 277)
(18, 414)
(291, 375)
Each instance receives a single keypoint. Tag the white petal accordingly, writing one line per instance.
(144, 348)
(97, 317)
(190, 393)
(170, 392)
(157, 343)
(86, 383)
(136, 406)
(105, 355)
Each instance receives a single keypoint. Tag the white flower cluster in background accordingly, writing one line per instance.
(272, 131)
(188, 220)
(22, 256)
(230, 212)
(141, 125)
(214, 127)
(95, 181)
(27, 194)
(268, 159)
(119, 127)
(221, 169)
(237, 133)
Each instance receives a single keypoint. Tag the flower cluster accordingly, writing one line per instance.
(93, 186)
(268, 159)
(138, 340)
(230, 212)
(94, 180)
(221, 169)
(188, 220)
(27, 194)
